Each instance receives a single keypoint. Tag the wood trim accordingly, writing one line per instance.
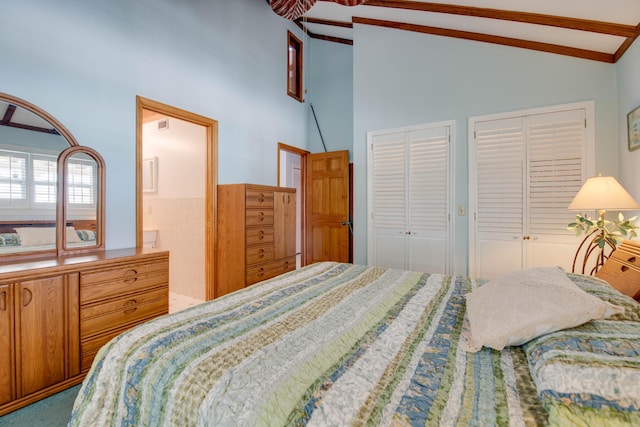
(626, 44)
(510, 15)
(39, 111)
(211, 202)
(325, 22)
(302, 197)
(61, 205)
(300, 24)
(506, 41)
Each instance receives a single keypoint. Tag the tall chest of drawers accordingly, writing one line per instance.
(256, 235)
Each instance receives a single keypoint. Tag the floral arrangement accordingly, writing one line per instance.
(609, 232)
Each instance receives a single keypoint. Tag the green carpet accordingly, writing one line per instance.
(54, 411)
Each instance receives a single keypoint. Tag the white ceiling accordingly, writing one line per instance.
(594, 29)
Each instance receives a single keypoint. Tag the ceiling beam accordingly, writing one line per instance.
(613, 29)
(300, 22)
(506, 41)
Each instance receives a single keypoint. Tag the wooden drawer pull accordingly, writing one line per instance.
(261, 235)
(260, 272)
(632, 260)
(261, 217)
(130, 276)
(132, 306)
(624, 268)
(27, 296)
(261, 253)
(261, 198)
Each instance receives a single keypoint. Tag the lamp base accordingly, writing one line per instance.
(592, 250)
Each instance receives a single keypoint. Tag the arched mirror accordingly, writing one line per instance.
(31, 142)
(81, 201)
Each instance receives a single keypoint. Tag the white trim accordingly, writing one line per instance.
(588, 156)
(451, 211)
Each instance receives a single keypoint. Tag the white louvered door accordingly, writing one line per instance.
(500, 186)
(524, 173)
(409, 199)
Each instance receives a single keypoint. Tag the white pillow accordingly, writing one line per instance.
(525, 304)
(43, 236)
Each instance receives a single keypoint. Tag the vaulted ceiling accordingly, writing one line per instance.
(599, 30)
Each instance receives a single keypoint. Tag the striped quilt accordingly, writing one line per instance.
(328, 345)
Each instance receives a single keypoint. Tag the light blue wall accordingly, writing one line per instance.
(331, 93)
(628, 73)
(403, 78)
(84, 62)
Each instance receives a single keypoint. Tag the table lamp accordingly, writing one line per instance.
(601, 193)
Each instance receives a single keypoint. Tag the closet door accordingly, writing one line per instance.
(499, 206)
(409, 199)
(524, 172)
(555, 170)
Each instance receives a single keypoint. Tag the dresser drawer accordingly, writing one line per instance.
(258, 236)
(117, 313)
(125, 279)
(90, 347)
(269, 270)
(259, 217)
(259, 199)
(259, 254)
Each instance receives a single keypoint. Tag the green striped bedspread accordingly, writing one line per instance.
(328, 345)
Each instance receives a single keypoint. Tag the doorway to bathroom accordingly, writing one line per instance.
(177, 179)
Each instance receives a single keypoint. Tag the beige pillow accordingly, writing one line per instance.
(44, 236)
(525, 304)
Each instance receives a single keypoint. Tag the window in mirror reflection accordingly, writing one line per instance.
(27, 180)
(81, 172)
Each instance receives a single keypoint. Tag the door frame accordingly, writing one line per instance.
(300, 198)
(211, 184)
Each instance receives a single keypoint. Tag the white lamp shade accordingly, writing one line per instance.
(603, 193)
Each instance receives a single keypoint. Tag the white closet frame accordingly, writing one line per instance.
(588, 168)
(410, 248)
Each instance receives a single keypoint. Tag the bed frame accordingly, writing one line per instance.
(622, 269)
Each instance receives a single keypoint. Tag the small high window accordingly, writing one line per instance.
(294, 67)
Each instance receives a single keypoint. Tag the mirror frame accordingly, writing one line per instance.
(61, 204)
(74, 147)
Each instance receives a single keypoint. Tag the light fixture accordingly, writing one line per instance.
(601, 193)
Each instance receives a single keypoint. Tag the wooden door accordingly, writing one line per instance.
(284, 224)
(6, 344)
(327, 230)
(40, 305)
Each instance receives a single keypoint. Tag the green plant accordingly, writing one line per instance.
(608, 232)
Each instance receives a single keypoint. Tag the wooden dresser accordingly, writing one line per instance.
(256, 235)
(55, 314)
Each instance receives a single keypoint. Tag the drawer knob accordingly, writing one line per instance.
(261, 235)
(260, 272)
(261, 253)
(130, 276)
(261, 217)
(632, 260)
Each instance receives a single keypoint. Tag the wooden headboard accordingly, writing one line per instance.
(622, 269)
(79, 224)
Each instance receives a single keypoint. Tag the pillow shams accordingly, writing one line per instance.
(525, 304)
(43, 236)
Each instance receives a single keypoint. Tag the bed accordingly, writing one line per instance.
(341, 344)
